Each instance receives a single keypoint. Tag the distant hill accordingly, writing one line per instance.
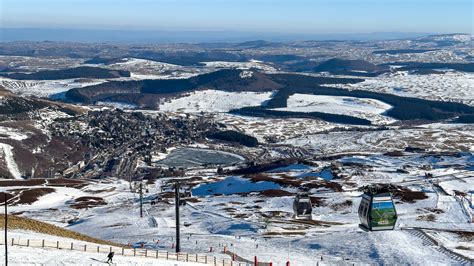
(342, 66)
(403, 51)
(415, 66)
(227, 80)
(104, 60)
(70, 73)
(256, 44)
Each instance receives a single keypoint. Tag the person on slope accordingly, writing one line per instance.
(110, 256)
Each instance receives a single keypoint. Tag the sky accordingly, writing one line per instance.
(285, 16)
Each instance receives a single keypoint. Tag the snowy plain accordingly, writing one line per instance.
(365, 108)
(449, 86)
(214, 101)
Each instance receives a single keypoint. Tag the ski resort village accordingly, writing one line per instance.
(252, 153)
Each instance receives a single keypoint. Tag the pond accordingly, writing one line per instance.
(325, 174)
(233, 185)
(195, 157)
(238, 228)
(292, 167)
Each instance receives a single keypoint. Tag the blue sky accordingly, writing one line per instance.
(294, 16)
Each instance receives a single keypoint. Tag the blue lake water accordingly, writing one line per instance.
(325, 174)
(195, 157)
(233, 185)
(236, 228)
(292, 167)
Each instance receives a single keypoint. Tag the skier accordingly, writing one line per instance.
(110, 256)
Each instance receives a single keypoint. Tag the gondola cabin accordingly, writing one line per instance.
(302, 206)
(377, 211)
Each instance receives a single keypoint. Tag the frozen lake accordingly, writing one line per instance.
(194, 157)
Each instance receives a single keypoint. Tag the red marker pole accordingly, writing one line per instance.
(288, 263)
(255, 260)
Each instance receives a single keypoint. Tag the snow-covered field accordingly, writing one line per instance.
(275, 129)
(21, 255)
(12, 133)
(254, 64)
(238, 221)
(44, 88)
(214, 101)
(455, 137)
(450, 86)
(149, 69)
(365, 108)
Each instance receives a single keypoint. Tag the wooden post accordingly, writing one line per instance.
(205, 259)
(223, 262)
(215, 261)
(57, 244)
(28, 243)
(167, 255)
(13, 241)
(146, 253)
(110, 249)
(177, 256)
(134, 252)
(123, 251)
(196, 257)
(72, 246)
(157, 254)
(85, 247)
(98, 249)
(42, 243)
(187, 257)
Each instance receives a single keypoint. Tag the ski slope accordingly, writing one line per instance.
(10, 160)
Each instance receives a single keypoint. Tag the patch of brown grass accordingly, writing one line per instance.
(100, 190)
(242, 215)
(30, 195)
(22, 183)
(468, 236)
(317, 201)
(63, 182)
(2, 197)
(342, 205)
(324, 184)
(193, 200)
(276, 214)
(409, 196)
(88, 202)
(283, 180)
(429, 218)
(275, 193)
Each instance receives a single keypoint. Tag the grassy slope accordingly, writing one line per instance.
(16, 222)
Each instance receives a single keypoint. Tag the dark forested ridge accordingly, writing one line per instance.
(342, 66)
(259, 111)
(404, 108)
(70, 73)
(140, 93)
(227, 80)
(417, 66)
(235, 137)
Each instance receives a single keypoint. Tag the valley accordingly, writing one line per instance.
(89, 140)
